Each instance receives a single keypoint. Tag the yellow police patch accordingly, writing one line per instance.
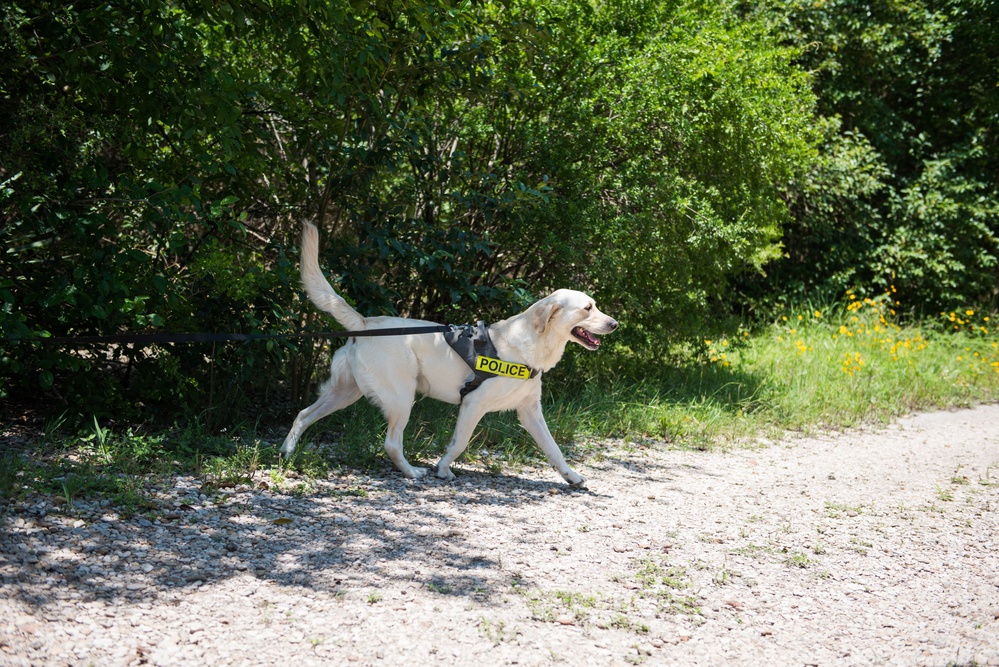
(504, 368)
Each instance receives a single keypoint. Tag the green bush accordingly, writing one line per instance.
(460, 158)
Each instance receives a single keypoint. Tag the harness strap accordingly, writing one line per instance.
(473, 344)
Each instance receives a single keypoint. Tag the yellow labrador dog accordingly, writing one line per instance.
(391, 370)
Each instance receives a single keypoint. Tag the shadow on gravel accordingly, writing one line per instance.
(342, 534)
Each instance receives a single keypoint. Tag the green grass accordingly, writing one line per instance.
(811, 369)
(808, 370)
(96, 461)
(547, 606)
(667, 584)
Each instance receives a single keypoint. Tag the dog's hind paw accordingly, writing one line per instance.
(445, 473)
(575, 479)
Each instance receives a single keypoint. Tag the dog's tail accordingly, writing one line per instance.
(319, 289)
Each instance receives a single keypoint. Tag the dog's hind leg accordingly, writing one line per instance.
(396, 402)
(397, 418)
(335, 395)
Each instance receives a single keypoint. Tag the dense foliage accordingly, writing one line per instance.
(158, 156)
(905, 194)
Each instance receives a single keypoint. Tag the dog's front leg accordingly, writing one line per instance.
(534, 421)
(468, 418)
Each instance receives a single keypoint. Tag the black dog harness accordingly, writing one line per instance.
(474, 346)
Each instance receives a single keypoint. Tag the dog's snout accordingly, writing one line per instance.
(612, 324)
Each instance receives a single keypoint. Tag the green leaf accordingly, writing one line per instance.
(46, 379)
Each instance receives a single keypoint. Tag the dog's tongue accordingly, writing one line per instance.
(586, 336)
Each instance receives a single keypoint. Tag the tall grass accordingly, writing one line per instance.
(811, 368)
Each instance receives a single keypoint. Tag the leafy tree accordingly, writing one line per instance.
(905, 193)
(666, 131)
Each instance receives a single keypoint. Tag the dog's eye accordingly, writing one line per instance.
(589, 307)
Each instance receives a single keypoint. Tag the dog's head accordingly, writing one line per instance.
(572, 316)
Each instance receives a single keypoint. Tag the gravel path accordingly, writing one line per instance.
(865, 548)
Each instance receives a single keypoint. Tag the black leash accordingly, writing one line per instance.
(154, 338)
(471, 343)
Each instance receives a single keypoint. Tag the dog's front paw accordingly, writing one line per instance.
(575, 479)
(444, 472)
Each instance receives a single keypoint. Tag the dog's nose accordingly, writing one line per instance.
(612, 324)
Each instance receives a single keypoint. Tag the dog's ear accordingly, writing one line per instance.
(544, 311)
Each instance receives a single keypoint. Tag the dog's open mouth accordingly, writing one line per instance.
(588, 339)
